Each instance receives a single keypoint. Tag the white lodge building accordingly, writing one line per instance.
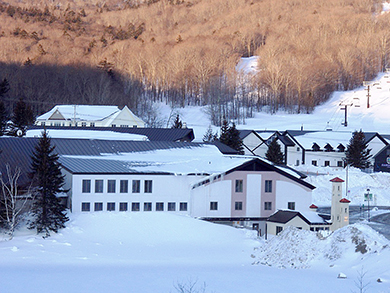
(191, 179)
(89, 116)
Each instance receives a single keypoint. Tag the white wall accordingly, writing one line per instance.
(287, 191)
(166, 188)
(253, 204)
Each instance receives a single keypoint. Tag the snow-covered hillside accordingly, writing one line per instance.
(154, 252)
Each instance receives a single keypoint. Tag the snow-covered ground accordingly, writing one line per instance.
(154, 252)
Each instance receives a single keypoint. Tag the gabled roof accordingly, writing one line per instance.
(344, 200)
(153, 134)
(336, 179)
(81, 112)
(284, 216)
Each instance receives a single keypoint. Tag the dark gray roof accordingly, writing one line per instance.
(283, 216)
(224, 149)
(17, 152)
(154, 134)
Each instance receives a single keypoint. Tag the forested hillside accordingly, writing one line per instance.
(185, 52)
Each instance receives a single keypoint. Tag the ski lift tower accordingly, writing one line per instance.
(367, 85)
(345, 109)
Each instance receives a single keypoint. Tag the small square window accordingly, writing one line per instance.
(85, 207)
(171, 206)
(148, 186)
(239, 185)
(92, 124)
(111, 206)
(111, 186)
(183, 206)
(267, 205)
(83, 124)
(136, 186)
(135, 206)
(268, 186)
(213, 206)
(238, 205)
(86, 186)
(147, 206)
(159, 206)
(98, 206)
(314, 163)
(327, 163)
(339, 163)
(123, 206)
(291, 205)
(124, 186)
(98, 186)
(278, 229)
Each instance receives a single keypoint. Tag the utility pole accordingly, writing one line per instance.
(367, 84)
(345, 108)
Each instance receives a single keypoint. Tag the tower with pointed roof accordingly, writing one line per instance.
(340, 206)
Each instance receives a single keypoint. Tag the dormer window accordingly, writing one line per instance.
(328, 148)
(341, 148)
(315, 147)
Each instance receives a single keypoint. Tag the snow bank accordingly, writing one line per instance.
(299, 249)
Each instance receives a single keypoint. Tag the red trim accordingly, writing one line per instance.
(313, 206)
(345, 200)
(337, 179)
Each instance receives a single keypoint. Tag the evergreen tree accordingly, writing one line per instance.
(48, 212)
(4, 87)
(177, 123)
(209, 136)
(21, 118)
(224, 136)
(357, 155)
(231, 137)
(274, 153)
(3, 118)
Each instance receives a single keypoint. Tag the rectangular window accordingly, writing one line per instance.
(86, 186)
(278, 229)
(213, 206)
(111, 186)
(298, 149)
(124, 186)
(314, 163)
(111, 206)
(238, 205)
(92, 124)
(297, 163)
(327, 163)
(98, 186)
(98, 206)
(159, 206)
(339, 163)
(268, 186)
(136, 186)
(171, 206)
(85, 207)
(267, 205)
(291, 205)
(83, 124)
(183, 206)
(147, 206)
(148, 186)
(135, 206)
(123, 206)
(239, 185)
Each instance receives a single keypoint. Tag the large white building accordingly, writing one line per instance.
(89, 116)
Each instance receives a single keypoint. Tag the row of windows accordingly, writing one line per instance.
(240, 185)
(135, 206)
(327, 163)
(111, 186)
(238, 206)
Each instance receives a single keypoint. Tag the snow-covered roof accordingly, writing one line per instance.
(82, 112)
(310, 217)
(86, 134)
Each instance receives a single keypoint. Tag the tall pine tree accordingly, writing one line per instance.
(231, 137)
(21, 118)
(357, 154)
(274, 153)
(48, 212)
(3, 118)
(177, 123)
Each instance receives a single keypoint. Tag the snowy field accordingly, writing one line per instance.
(153, 252)
(156, 252)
